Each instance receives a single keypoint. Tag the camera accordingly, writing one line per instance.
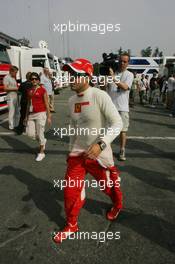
(109, 61)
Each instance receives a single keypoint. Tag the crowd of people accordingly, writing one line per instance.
(25, 105)
(154, 91)
(90, 108)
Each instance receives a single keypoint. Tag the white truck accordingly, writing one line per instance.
(4, 70)
(62, 76)
(31, 59)
(149, 65)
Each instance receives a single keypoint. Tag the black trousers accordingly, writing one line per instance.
(23, 111)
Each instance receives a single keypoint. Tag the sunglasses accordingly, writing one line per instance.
(32, 79)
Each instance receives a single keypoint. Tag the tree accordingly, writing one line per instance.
(157, 53)
(146, 52)
(120, 51)
(24, 42)
(129, 52)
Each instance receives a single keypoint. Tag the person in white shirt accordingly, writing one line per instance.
(164, 91)
(11, 87)
(169, 101)
(91, 111)
(142, 89)
(154, 90)
(119, 92)
(45, 79)
(173, 98)
(147, 87)
(133, 91)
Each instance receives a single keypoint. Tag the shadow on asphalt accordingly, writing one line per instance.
(164, 155)
(21, 147)
(5, 125)
(46, 199)
(152, 112)
(41, 192)
(17, 145)
(96, 207)
(153, 152)
(50, 135)
(153, 178)
(146, 121)
(151, 227)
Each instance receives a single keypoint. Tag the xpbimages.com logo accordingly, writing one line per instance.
(85, 131)
(100, 28)
(102, 236)
(78, 183)
(95, 80)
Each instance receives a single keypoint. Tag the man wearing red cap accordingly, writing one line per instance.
(91, 108)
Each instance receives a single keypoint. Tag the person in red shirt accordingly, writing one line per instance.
(36, 117)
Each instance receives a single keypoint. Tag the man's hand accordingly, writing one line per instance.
(93, 151)
(111, 73)
(116, 79)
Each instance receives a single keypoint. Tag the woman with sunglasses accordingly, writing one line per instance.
(37, 108)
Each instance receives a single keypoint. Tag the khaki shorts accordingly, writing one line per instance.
(125, 119)
(36, 126)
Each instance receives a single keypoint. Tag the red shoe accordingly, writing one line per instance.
(65, 233)
(113, 213)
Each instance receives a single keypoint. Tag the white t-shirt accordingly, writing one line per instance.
(120, 97)
(47, 84)
(10, 83)
(143, 84)
(135, 83)
(171, 81)
(94, 114)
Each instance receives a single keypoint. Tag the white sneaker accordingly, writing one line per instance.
(40, 157)
(122, 156)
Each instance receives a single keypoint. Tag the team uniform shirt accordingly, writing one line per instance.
(12, 84)
(96, 117)
(47, 83)
(120, 97)
(37, 99)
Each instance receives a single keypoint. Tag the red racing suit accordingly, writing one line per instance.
(78, 167)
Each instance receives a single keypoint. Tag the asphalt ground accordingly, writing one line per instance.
(31, 207)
